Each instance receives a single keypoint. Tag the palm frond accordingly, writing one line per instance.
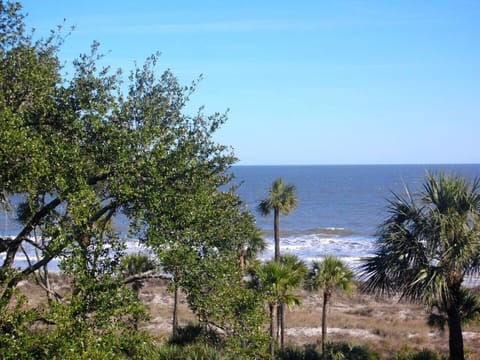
(428, 243)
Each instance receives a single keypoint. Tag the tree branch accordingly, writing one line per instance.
(34, 220)
(152, 274)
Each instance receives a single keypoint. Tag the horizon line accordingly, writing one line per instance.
(366, 164)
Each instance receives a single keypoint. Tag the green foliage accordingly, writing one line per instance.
(337, 351)
(59, 334)
(282, 200)
(194, 333)
(81, 345)
(407, 353)
(427, 247)
(277, 282)
(136, 263)
(334, 351)
(468, 305)
(16, 341)
(196, 351)
(218, 295)
(329, 274)
(80, 150)
(296, 353)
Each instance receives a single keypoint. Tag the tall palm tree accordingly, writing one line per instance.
(427, 246)
(328, 275)
(277, 282)
(282, 201)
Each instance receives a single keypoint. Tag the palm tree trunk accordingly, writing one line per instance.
(279, 322)
(455, 337)
(276, 233)
(324, 321)
(273, 310)
(175, 313)
(281, 311)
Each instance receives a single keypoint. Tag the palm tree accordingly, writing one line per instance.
(135, 265)
(298, 270)
(426, 248)
(277, 282)
(253, 245)
(328, 275)
(282, 201)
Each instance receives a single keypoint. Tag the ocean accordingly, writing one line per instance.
(339, 206)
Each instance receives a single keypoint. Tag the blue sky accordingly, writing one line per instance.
(305, 82)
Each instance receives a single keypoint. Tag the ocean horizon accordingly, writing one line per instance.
(339, 206)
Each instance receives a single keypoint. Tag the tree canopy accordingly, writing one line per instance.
(81, 149)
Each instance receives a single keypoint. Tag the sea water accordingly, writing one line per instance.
(339, 207)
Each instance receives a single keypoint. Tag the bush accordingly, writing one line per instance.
(407, 353)
(196, 351)
(195, 333)
(351, 352)
(296, 353)
(334, 351)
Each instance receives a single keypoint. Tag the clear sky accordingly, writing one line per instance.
(306, 82)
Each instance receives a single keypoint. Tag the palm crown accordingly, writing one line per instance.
(427, 247)
(282, 199)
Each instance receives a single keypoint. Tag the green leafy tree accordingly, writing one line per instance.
(428, 246)
(282, 200)
(80, 150)
(327, 275)
(200, 250)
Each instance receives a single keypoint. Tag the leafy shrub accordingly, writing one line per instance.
(194, 333)
(334, 351)
(407, 353)
(296, 353)
(338, 351)
(198, 351)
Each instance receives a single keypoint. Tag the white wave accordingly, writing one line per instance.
(316, 246)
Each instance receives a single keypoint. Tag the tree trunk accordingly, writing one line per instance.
(326, 296)
(273, 310)
(455, 337)
(175, 313)
(281, 312)
(241, 258)
(276, 233)
(279, 323)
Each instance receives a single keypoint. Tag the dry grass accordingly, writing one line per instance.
(385, 325)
